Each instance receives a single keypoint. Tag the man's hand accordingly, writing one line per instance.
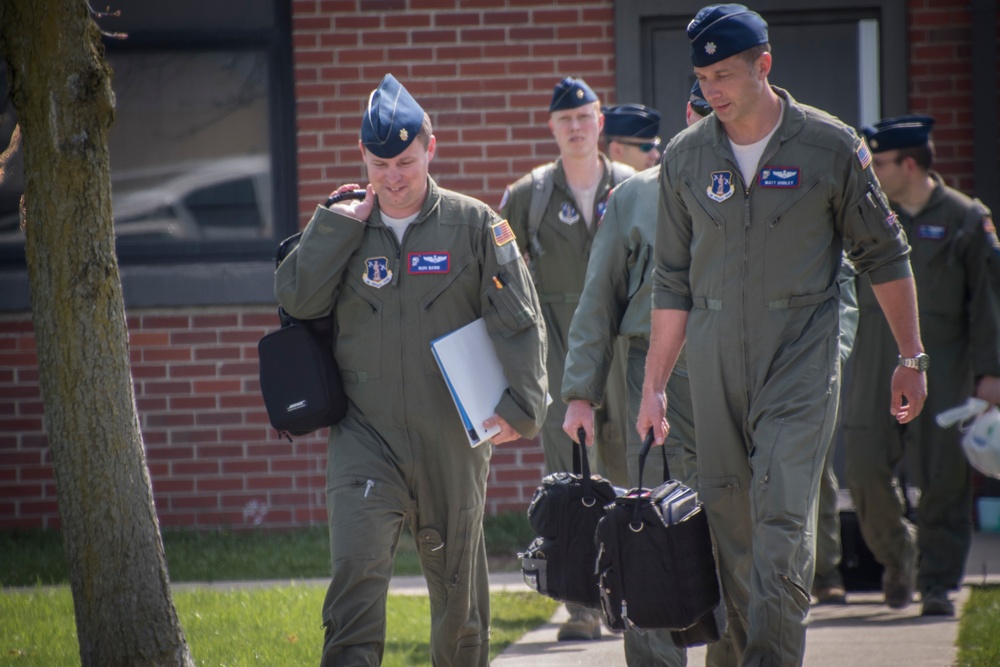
(354, 208)
(579, 414)
(911, 385)
(507, 432)
(988, 389)
(653, 415)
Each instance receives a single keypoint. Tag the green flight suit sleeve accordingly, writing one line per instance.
(307, 281)
(672, 249)
(514, 320)
(980, 252)
(877, 243)
(595, 323)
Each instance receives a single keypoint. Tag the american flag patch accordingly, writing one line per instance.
(502, 233)
(864, 155)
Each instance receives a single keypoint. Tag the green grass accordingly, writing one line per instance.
(979, 628)
(275, 625)
(36, 557)
(271, 626)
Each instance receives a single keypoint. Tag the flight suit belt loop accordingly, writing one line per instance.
(559, 298)
(706, 304)
(805, 299)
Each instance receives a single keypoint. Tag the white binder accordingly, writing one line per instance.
(474, 376)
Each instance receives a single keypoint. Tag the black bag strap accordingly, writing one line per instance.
(647, 443)
(581, 466)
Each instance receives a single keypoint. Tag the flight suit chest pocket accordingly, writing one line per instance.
(359, 339)
(512, 310)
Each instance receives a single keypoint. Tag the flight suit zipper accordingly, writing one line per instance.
(746, 264)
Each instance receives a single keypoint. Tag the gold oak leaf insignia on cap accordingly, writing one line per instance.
(579, 94)
(403, 134)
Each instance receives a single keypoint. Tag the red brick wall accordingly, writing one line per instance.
(213, 458)
(485, 71)
(940, 76)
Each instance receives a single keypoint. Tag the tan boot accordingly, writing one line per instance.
(583, 624)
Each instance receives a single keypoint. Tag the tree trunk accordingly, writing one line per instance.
(60, 87)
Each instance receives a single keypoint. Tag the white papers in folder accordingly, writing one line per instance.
(474, 376)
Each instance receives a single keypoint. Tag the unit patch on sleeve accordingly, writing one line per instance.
(428, 262)
(778, 177)
(502, 233)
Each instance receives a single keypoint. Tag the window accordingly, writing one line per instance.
(202, 146)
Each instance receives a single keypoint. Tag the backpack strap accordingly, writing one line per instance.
(542, 185)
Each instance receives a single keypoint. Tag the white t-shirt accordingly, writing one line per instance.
(585, 200)
(399, 225)
(748, 157)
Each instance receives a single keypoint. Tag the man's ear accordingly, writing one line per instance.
(431, 147)
(361, 147)
(764, 65)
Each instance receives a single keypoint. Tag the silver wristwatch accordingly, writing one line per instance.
(921, 362)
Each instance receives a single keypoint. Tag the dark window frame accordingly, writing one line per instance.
(634, 17)
(213, 271)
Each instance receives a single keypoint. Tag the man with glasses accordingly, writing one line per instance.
(631, 132)
(956, 264)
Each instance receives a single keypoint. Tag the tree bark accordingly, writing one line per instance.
(60, 87)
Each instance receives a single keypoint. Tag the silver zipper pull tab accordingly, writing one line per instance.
(369, 485)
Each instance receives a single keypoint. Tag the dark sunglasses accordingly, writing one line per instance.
(645, 148)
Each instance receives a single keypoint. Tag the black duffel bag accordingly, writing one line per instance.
(299, 379)
(561, 561)
(656, 562)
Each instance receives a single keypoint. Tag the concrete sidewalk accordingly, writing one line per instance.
(861, 633)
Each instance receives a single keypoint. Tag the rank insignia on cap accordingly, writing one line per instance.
(864, 155)
(377, 272)
(579, 94)
(710, 48)
(502, 233)
(404, 135)
(721, 188)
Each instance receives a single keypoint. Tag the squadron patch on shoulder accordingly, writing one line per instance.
(721, 188)
(377, 272)
(864, 155)
(428, 262)
(568, 214)
(503, 200)
(502, 233)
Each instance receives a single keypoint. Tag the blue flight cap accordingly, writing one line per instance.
(697, 100)
(571, 93)
(720, 31)
(632, 121)
(901, 132)
(392, 120)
